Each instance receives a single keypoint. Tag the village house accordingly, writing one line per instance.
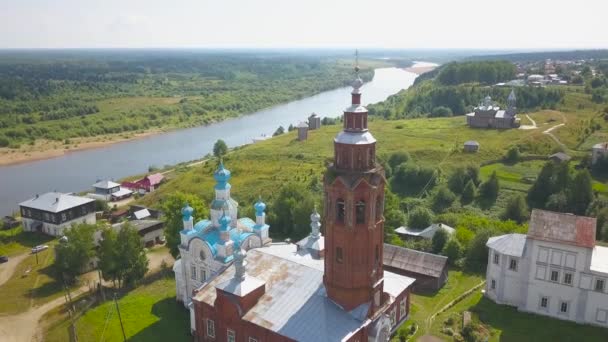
(429, 270)
(555, 270)
(337, 290)
(314, 121)
(559, 157)
(599, 151)
(147, 184)
(150, 230)
(109, 191)
(471, 146)
(489, 115)
(52, 212)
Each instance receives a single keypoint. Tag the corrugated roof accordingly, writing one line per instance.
(122, 192)
(55, 202)
(414, 261)
(105, 184)
(427, 232)
(155, 178)
(562, 228)
(509, 244)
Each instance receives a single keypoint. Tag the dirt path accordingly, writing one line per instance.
(548, 132)
(8, 268)
(23, 327)
(532, 126)
(156, 257)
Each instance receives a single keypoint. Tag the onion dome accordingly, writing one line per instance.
(187, 212)
(259, 207)
(357, 83)
(222, 176)
(315, 217)
(224, 222)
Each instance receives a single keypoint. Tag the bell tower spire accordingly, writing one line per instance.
(353, 217)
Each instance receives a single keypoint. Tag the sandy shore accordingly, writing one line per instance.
(421, 67)
(41, 150)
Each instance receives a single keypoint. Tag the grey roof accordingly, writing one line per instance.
(122, 192)
(561, 156)
(471, 143)
(295, 303)
(426, 233)
(105, 184)
(55, 202)
(141, 214)
(601, 146)
(509, 244)
(302, 125)
(410, 260)
(140, 225)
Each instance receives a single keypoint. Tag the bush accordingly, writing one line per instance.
(488, 190)
(512, 155)
(452, 250)
(468, 194)
(516, 210)
(420, 218)
(4, 142)
(443, 199)
(441, 111)
(398, 158)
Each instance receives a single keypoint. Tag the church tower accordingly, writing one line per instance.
(353, 217)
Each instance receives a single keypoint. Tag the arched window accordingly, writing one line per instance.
(359, 160)
(377, 255)
(379, 208)
(340, 210)
(370, 157)
(360, 212)
(202, 254)
(339, 257)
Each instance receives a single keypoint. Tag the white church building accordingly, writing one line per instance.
(555, 270)
(207, 247)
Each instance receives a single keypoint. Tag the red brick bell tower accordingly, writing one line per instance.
(353, 220)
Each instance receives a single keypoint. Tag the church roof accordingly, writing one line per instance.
(212, 236)
(355, 138)
(295, 303)
(509, 244)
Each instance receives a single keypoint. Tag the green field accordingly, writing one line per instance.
(506, 324)
(149, 313)
(15, 241)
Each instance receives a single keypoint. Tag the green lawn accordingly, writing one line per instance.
(149, 313)
(423, 306)
(506, 324)
(16, 241)
(518, 177)
(21, 292)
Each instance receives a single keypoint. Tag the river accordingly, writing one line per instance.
(77, 171)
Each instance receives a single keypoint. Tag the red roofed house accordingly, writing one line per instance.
(147, 184)
(555, 270)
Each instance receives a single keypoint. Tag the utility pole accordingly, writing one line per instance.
(103, 295)
(36, 257)
(120, 319)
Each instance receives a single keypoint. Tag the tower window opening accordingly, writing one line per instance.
(339, 257)
(360, 212)
(377, 255)
(340, 210)
(379, 208)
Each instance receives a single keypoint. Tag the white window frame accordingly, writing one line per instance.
(193, 272)
(540, 304)
(210, 328)
(496, 258)
(230, 335)
(493, 284)
(597, 280)
(566, 274)
(597, 315)
(393, 317)
(402, 308)
(513, 264)
(203, 275)
(551, 276)
(561, 304)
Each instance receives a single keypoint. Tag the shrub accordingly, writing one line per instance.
(512, 155)
(420, 218)
(4, 142)
(443, 199)
(398, 158)
(516, 210)
(468, 194)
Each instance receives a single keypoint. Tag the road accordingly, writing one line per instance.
(8, 268)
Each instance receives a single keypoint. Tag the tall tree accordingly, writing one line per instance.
(132, 259)
(581, 192)
(439, 240)
(108, 255)
(443, 199)
(488, 190)
(543, 187)
(516, 209)
(220, 148)
(172, 209)
(452, 250)
(290, 211)
(468, 194)
(420, 218)
(73, 255)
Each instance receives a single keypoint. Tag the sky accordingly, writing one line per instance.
(474, 24)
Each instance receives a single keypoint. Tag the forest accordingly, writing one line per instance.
(58, 96)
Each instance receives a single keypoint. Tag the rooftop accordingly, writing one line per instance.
(599, 260)
(355, 138)
(55, 202)
(295, 303)
(414, 261)
(509, 244)
(105, 184)
(562, 228)
(427, 232)
(561, 156)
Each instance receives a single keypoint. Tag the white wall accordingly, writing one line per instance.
(57, 229)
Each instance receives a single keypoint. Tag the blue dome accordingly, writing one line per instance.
(259, 207)
(225, 221)
(221, 174)
(187, 212)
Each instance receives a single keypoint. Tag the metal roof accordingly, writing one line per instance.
(427, 232)
(55, 202)
(561, 156)
(471, 143)
(355, 138)
(140, 214)
(105, 184)
(599, 260)
(122, 192)
(509, 244)
(562, 228)
(410, 260)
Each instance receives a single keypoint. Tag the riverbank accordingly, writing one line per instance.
(421, 67)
